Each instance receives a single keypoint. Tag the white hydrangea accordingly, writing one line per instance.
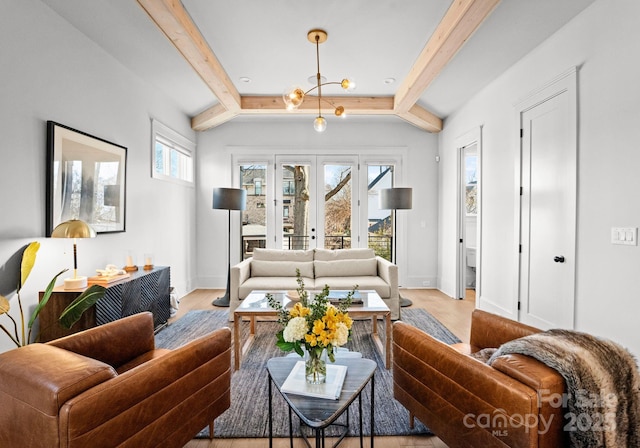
(342, 335)
(295, 330)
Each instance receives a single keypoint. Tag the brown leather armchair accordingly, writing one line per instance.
(516, 402)
(109, 386)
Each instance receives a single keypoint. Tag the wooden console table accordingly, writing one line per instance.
(143, 291)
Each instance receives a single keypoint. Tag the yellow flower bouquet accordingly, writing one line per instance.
(315, 325)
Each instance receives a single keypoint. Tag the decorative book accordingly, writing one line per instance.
(336, 296)
(106, 279)
(296, 383)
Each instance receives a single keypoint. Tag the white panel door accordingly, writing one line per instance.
(548, 213)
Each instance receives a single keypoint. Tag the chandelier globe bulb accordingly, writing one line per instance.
(293, 97)
(320, 124)
(348, 84)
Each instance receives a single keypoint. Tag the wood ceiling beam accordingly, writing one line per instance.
(174, 21)
(353, 105)
(460, 21)
(212, 117)
(422, 118)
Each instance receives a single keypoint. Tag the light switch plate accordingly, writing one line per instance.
(627, 236)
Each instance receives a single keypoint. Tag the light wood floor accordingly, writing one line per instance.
(454, 314)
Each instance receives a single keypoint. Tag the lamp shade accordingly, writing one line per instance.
(74, 228)
(396, 198)
(229, 198)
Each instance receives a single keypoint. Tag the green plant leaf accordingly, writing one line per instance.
(45, 298)
(4, 305)
(82, 303)
(28, 260)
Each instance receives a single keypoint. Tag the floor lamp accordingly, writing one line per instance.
(228, 199)
(396, 199)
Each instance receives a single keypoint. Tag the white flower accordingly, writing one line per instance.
(295, 329)
(342, 335)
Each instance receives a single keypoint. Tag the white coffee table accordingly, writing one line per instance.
(257, 305)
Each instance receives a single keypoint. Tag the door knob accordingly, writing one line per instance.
(559, 259)
(313, 237)
(313, 230)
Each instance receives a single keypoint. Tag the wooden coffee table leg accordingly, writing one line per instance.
(387, 343)
(237, 320)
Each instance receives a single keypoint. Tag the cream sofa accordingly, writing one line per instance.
(275, 269)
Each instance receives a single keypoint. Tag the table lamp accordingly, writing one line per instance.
(74, 228)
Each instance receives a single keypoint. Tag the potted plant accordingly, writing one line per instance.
(21, 334)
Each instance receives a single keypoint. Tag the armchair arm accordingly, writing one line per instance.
(115, 343)
(192, 381)
(36, 380)
(388, 272)
(550, 387)
(239, 274)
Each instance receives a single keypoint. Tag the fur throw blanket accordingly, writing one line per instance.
(603, 385)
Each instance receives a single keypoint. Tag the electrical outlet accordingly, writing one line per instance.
(426, 283)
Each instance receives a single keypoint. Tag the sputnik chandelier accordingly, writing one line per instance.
(294, 96)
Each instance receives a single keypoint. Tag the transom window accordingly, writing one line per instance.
(171, 155)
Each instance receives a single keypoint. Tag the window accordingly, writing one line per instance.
(171, 155)
(257, 187)
(288, 187)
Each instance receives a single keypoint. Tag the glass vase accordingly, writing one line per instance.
(316, 366)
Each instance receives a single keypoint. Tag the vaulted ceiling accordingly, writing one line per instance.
(413, 59)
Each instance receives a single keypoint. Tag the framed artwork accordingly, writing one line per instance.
(86, 179)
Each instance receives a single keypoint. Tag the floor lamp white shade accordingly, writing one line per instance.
(399, 198)
(228, 199)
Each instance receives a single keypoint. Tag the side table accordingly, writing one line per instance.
(318, 413)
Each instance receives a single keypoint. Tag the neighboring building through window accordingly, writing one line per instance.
(172, 155)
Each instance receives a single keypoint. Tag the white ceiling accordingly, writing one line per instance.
(369, 40)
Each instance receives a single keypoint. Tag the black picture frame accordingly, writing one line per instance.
(86, 179)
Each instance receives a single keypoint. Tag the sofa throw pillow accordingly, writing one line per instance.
(346, 268)
(343, 254)
(261, 268)
(282, 255)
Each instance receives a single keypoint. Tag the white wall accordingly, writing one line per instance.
(349, 136)
(602, 42)
(50, 71)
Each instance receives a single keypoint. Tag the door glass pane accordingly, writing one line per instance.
(295, 206)
(471, 183)
(380, 229)
(254, 217)
(337, 206)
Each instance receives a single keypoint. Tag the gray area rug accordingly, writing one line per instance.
(248, 414)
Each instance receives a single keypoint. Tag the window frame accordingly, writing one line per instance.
(171, 139)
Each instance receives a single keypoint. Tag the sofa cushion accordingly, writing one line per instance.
(261, 268)
(343, 254)
(271, 284)
(346, 268)
(282, 255)
(363, 282)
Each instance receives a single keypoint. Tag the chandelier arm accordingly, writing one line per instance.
(311, 89)
(323, 84)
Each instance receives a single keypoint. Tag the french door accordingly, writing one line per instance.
(316, 202)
